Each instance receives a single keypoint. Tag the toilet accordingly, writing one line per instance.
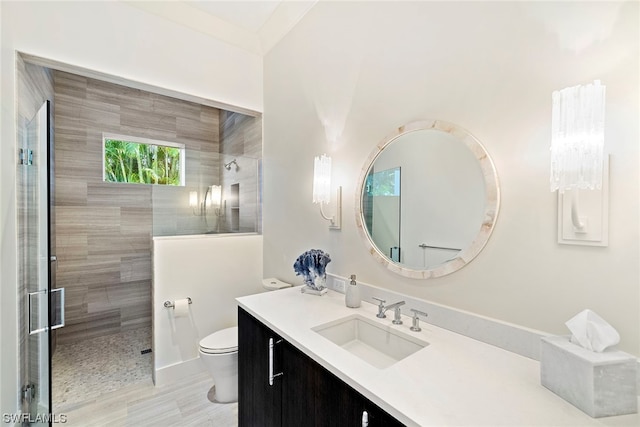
(219, 353)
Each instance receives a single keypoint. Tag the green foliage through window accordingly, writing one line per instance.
(142, 163)
(384, 183)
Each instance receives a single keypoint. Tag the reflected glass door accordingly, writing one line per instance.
(381, 209)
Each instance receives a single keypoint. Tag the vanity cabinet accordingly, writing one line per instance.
(301, 391)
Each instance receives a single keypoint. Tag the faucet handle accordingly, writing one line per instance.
(416, 320)
(381, 309)
(379, 300)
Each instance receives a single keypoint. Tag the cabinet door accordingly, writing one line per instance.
(313, 396)
(338, 404)
(259, 403)
(377, 416)
(306, 394)
(299, 387)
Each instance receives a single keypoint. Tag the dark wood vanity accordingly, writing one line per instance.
(300, 392)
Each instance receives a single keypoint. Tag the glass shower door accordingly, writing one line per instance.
(36, 260)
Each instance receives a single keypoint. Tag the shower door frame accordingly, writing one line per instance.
(36, 260)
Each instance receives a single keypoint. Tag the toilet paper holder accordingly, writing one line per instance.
(170, 304)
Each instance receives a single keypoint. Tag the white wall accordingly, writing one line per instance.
(112, 38)
(358, 70)
(212, 270)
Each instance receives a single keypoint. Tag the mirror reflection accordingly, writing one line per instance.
(428, 199)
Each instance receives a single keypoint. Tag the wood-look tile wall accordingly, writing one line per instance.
(104, 229)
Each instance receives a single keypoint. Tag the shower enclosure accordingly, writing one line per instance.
(223, 198)
(101, 231)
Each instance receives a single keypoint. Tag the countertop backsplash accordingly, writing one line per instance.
(517, 339)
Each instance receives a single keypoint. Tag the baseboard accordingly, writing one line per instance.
(177, 371)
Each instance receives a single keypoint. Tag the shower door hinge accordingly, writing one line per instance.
(28, 392)
(25, 157)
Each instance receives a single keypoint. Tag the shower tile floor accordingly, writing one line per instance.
(84, 370)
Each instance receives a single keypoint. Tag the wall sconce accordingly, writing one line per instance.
(322, 190)
(193, 201)
(579, 167)
(212, 198)
(215, 192)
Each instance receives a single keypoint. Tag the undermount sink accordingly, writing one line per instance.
(379, 345)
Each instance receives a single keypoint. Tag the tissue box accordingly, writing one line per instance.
(600, 384)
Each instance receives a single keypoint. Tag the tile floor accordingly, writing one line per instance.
(87, 369)
(184, 403)
(105, 381)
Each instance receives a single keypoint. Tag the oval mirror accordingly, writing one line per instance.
(427, 199)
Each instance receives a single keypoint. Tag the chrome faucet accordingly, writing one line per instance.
(396, 312)
(416, 320)
(382, 309)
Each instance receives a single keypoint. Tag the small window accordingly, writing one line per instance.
(142, 161)
(384, 183)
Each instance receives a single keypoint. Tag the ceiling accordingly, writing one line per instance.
(250, 15)
(252, 25)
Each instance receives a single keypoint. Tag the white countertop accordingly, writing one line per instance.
(455, 380)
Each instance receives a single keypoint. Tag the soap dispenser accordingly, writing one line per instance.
(352, 295)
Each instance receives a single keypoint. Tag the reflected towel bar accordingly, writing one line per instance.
(424, 246)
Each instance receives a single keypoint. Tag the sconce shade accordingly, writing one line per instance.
(193, 199)
(216, 194)
(577, 137)
(322, 179)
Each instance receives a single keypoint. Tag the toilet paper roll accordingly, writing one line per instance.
(181, 308)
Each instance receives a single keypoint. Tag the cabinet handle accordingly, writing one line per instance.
(365, 419)
(271, 374)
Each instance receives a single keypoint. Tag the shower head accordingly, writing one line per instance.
(227, 166)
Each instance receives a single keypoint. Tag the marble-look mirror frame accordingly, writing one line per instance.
(492, 200)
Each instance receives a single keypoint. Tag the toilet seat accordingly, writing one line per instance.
(221, 342)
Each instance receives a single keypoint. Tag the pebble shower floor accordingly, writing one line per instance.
(85, 370)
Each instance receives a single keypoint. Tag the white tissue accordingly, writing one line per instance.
(181, 308)
(592, 332)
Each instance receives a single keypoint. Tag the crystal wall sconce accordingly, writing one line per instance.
(322, 190)
(579, 167)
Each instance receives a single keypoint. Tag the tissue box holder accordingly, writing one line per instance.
(600, 384)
